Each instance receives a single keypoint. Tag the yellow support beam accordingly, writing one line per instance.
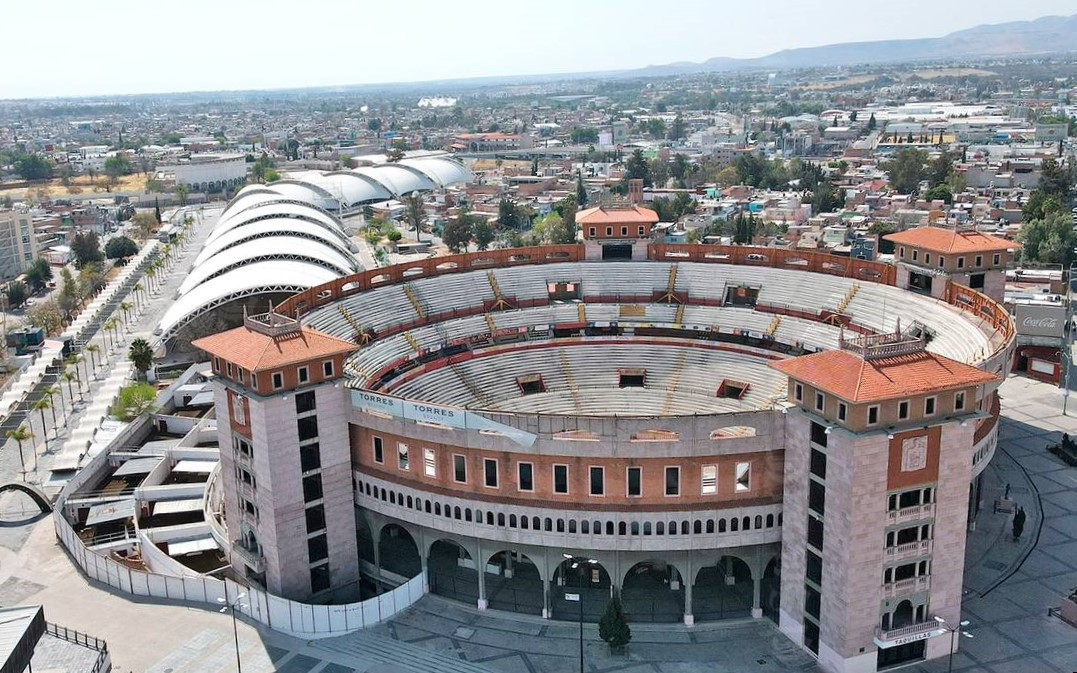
(409, 292)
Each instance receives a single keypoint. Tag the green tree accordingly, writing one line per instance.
(133, 401)
(86, 247)
(118, 165)
(17, 293)
(33, 167)
(941, 168)
(613, 626)
(40, 406)
(906, 170)
(637, 168)
(583, 135)
(140, 353)
(182, 192)
(1040, 205)
(940, 191)
(457, 232)
(20, 435)
(656, 128)
(581, 191)
(120, 247)
(483, 232)
(872, 124)
(68, 297)
(1055, 180)
(677, 130)
(1049, 240)
(415, 213)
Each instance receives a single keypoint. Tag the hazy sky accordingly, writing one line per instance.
(79, 47)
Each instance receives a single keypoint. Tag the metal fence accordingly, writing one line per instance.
(102, 664)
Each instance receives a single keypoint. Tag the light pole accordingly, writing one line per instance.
(953, 631)
(575, 564)
(235, 629)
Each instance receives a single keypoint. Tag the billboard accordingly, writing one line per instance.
(1042, 320)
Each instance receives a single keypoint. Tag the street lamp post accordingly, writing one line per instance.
(231, 606)
(576, 563)
(953, 631)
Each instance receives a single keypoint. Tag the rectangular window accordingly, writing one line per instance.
(319, 578)
(254, 380)
(820, 401)
(996, 259)
(228, 366)
(959, 401)
(304, 402)
(403, 459)
(312, 488)
(609, 231)
(459, 468)
(641, 231)
(709, 480)
(842, 411)
(592, 234)
(379, 456)
(216, 364)
(798, 392)
(961, 262)
(278, 380)
(812, 601)
(239, 414)
(598, 480)
(310, 457)
(489, 472)
(308, 427)
(873, 415)
(242, 446)
(818, 463)
(929, 406)
(560, 478)
(430, 466)
(327, 368)
(814, 571)
(979, 260)
(315, 518)
(303, 374)
(901, 252)
(927, 258)
(673, 480)
(743, 478)
(942, 261)
(818, 434)
(635, 482)
(903, 409)
(525, 476)
(915, 254)
(815, 532)
(816, 497)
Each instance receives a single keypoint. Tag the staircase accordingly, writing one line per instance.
(567, 369)
(490, 323)
(671, 285)
(774, 325)
(412, 342)
(674, 379)
(679, 318)
(409, 291)
(361, 335)
(581, 311)
(472, 388)
(632, 311)
(848, 297)
(500, 303)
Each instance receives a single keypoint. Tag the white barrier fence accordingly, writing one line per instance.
(302, 620)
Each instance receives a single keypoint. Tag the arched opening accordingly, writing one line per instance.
(902, 615)
(513, 583)
(723, 590)
(589, 581)
(451, 572)
(397, 553)
(770, 589)
(653, 592)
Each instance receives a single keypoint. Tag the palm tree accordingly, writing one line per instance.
(92, 349)
(126, 308)
(137, 291)
(20, 435)
(52, 391)
(151, 271)
(41, 405)
(73, 362)
(115, 327)
(69, 377)
(141, 355)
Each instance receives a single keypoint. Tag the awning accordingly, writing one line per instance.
(196, 466)
(177, 506)
(202, 399)
(137, 466)
(111, 511)
(184, 547)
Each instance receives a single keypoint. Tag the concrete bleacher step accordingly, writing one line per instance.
(671, 387)
(566, 369)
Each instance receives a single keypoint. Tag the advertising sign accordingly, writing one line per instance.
(435, 414)
(1043, 320)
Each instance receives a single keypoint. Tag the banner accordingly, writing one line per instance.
(1044, 320)
(435, 414)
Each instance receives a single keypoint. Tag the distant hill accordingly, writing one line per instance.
(1046, 35)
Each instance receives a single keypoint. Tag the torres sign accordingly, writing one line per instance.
(1044, 320)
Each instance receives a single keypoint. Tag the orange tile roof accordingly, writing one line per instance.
(857, 380)
(607, 215)
(937, 239)
(257, 352)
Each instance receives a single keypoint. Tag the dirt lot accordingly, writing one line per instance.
(79, 185)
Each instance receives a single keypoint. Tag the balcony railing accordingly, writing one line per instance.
(907, 633)
(252, 557)
(911, 513)
(905, 587)
(908, 550)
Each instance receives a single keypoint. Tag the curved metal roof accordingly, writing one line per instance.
(441, 170)
(350, 187)
(398, 179)
(274, 227)
(278, 207)
(278, 247)
(243, 281)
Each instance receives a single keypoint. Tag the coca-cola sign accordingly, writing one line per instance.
(1044, 320)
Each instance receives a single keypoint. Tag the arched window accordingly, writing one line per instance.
(585, 527)
(437, 508)
(609, 528)
(710, 526)
(512, 520)
(684, 527)
(383, 495)
(392, 497)
(501, 519)
(758, 521)
(535, 523)
(635, 527)
(779, 518)
(524, 522)
(770, 521)
(622, 528)
(560, 525)
(597, 527)
(426, 506)
(646, 527)
(572, 526)
(660, 528)
(721, 525)
(489, 518)
(409, 502)
(672, 527)
(733, 525)
(456, 513)
(548, 524)
(467, 515)
(697, 527)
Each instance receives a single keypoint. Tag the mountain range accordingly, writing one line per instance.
(1046, 35)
